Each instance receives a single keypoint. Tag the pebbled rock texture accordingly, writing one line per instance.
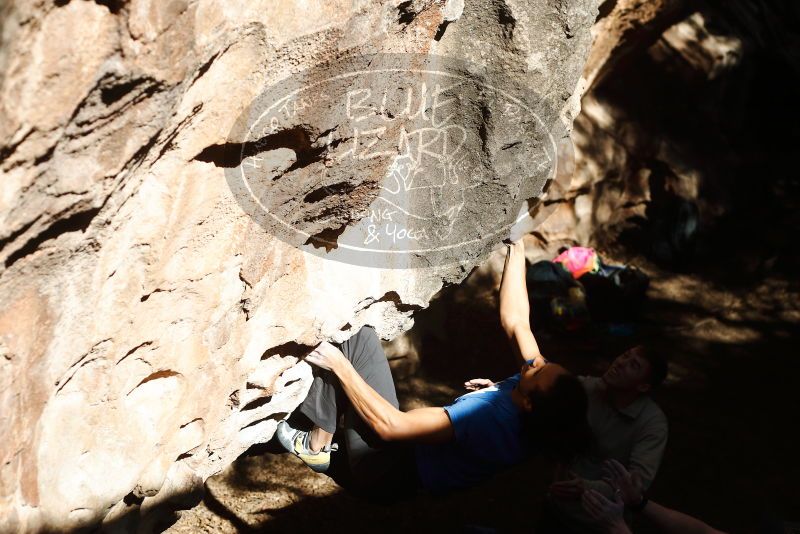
(150, 330)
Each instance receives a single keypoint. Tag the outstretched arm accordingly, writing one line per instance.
(609, 514)
(428, 425)
(672, 521)
(629, 491)
(514, 306)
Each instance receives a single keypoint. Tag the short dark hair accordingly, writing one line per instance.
(659, 367)
(558, 424)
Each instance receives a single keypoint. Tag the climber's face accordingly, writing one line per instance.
(629, 371)
(537, 375)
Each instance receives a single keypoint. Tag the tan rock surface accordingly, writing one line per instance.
(150, 330)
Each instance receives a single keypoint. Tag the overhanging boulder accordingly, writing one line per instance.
(153, 318)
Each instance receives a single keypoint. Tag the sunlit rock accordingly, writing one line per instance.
(150, 329)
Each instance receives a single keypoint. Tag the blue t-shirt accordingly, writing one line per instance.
(488, 438)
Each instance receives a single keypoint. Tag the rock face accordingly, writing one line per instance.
(151, 329)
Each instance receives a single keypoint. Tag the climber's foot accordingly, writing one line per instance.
(298, 443)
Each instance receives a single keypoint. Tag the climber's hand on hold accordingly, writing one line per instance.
(326, 356)
(516, 249)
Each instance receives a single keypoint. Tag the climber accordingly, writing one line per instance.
(392, 453)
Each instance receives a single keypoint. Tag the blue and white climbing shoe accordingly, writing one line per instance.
(297, 442)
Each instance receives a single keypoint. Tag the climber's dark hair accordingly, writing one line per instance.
(557, 425)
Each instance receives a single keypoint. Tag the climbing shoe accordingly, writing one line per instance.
(297, 442)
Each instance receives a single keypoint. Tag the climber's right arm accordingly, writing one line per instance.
(428, 425)
(514, 307)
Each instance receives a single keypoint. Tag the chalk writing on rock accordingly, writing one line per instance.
(394, 161)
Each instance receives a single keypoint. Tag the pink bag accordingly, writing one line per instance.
(579, 261)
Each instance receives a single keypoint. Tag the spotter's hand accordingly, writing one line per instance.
(567, 489)
(628, 484)
(603, 510)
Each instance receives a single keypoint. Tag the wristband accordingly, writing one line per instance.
(639, 507)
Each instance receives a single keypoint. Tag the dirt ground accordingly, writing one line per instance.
(731, 399)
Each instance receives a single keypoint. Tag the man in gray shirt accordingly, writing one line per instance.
(627, 426)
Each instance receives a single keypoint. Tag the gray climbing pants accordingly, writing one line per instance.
(373, 463)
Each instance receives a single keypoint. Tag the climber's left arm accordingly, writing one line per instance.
(514, 306)
(428, 425)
